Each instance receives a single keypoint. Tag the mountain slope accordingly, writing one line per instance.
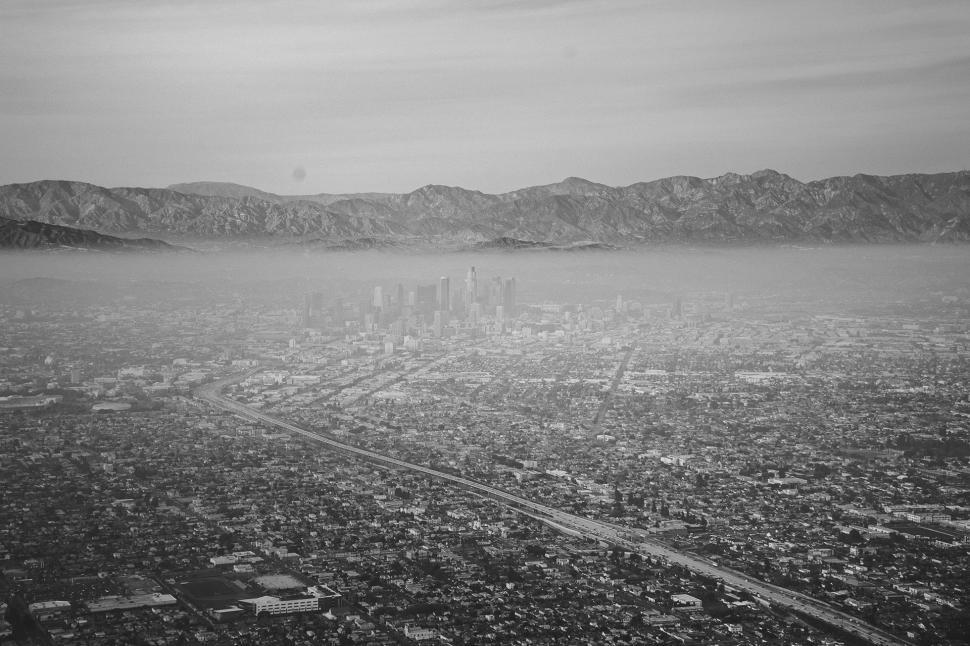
(15, 234)
(224, 189)
(763, 206)
(238, 191)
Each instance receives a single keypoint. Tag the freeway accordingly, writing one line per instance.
(607, 532)
(611, 393)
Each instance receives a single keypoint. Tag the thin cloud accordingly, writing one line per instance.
(392, 94)
(950, 75)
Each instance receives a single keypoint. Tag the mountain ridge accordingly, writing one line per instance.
(30, 234)
(763, 206)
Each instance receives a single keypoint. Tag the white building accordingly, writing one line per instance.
(419, 634)
(282, 606)
(131, 602)
(686, 602)
(45, 609)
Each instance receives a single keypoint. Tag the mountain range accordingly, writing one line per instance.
(766, 206)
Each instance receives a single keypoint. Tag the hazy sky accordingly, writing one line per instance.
(388, 95)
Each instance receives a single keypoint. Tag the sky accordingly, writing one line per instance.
(300, 97)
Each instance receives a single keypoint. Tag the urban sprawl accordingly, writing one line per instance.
(444, 463)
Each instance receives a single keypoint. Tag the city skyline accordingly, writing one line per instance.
(420, 307)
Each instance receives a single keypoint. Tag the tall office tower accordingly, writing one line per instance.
(444, 294)
(495, 291)
(307, 316)
(313, 309)
(427, 297)
(508, 296)
(471, 287)
(475, 313)
(412, 298)
(619, 303)
(399, 296)
(378, 301)
(500, 315)
(336, 310)
(438, 324)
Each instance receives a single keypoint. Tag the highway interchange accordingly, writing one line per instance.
(606, 532)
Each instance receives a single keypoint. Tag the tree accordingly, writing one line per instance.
(226, 541)
(821, 471)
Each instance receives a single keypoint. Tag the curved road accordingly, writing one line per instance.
(607, 532)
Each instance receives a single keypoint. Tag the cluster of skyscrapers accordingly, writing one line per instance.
(437, 305)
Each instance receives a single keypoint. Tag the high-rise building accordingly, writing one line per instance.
(378, 301)
(427, 298)
(307, 315)
(495, 292)
(471, 287)
(475, 313)
(508, 296)
(438, 324)
(444, 294)
(312, 309)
